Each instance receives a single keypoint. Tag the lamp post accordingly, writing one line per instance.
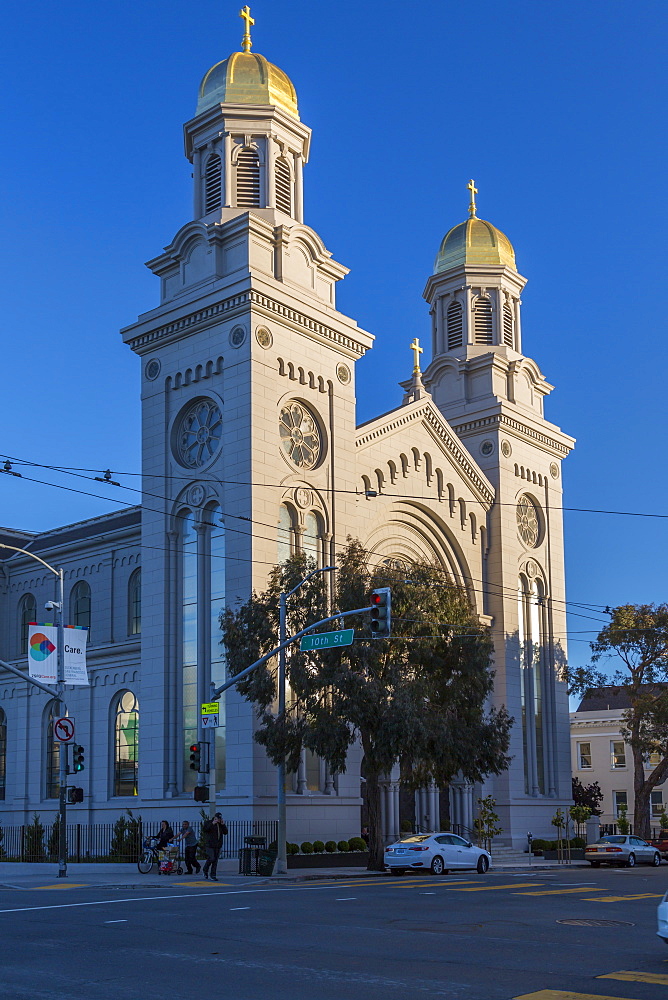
(282, 860)
(59, 606)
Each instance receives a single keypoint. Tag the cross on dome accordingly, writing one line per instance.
(473, 189)
(417, 351)
(248, 20)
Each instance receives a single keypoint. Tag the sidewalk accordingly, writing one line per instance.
(28, 875)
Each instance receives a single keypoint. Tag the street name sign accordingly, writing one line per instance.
(327, 640)
(210, 714)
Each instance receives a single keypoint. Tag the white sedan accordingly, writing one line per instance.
(662, 919)
(437, 852)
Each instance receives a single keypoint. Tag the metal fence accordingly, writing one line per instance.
(113, 842)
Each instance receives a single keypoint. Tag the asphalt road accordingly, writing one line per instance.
(492, 937)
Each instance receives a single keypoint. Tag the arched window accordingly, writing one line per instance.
(188, 538)
(52, 752)
(27, 615)
(482, 321)
(134, 603)
(283, 187)
(312, 538)
(216, 557)
(80, 605)
(508, 325)
(212, 183)
(248, 179)
(126, 744)
(286, 533)
(530, 616)
(454, 321)
(3, 754)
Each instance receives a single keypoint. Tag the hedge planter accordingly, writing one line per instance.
(352, 859)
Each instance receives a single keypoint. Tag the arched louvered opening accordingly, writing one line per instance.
(248, 179)
(508, 331)
(482, 322)
(454, 322)
(212, 183)
(283, 187)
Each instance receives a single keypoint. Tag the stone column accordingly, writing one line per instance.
(394, 831)
(173, 633)
(433, 808)
(302, 784)
(593, 829)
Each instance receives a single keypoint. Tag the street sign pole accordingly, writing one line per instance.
(282, 851)
(62, 751)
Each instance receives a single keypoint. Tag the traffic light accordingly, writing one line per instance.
(201, 793)
(75, 795)
(381, 615)
(77, 757)
(195, 756)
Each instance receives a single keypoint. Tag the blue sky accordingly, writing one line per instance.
(557, 109)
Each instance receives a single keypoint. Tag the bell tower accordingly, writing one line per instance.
(492, 396)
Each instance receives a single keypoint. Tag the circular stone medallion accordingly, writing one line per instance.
(554, 470)
(343, 374)
(196, 495)
(152, 369)
(303, 497)
(506, 449)
(237, 336)
(486, 448)
(264, 337)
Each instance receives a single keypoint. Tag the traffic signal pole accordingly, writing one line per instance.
(62, 750)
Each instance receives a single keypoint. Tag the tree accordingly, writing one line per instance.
(589, 796)
(486, 822)
(419, 697)
(580, 815)
(638, 636)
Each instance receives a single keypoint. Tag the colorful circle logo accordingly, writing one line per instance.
(40, 646)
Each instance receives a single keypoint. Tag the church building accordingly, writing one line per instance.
(251, 451)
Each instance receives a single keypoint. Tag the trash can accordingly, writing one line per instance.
(250, 855)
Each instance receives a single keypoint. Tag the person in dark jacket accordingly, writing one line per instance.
(165, 835)
(214, 831)
(189, 840)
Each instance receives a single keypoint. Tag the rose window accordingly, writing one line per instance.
(528, 523)
(300, 435)
(198, 433)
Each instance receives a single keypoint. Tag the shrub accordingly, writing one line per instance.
(307, 847)
(578, 842)
(330, 846)
(406, 826)
(343, 846)
(318, 847)
(293, 848)
(53, 845)
(34, 842)
(357, 844)
(126, 841)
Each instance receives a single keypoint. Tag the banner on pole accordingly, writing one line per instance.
(43, 654)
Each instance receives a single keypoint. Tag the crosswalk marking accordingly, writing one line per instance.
(492, 888)
(415, 885)
(60, 885)
(656, 978)
(621, 899)
(561, 995)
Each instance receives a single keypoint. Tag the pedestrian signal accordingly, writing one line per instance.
(201, 793)
(75, 795)
(78, 757)
(381, 614)
(195, 756)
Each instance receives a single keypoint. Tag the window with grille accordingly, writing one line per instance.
(283, 187)
(454, 323)
(134, 603)
(248, 179)
(212, 183)
(80, 605)
(126, 744)
(482, 323)
(27, 615)
(584, 756)
(620, 800)
(508, 337)
(617, 754)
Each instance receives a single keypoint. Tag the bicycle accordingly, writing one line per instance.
(152, 855)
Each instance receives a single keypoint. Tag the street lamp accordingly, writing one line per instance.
(58, 606)
(282, 859)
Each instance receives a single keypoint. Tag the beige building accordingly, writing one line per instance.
(599, 753)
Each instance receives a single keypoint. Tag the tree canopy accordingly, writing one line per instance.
(419, 697)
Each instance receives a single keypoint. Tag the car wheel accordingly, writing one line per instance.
(437, 865)
(595, 864)
(656, 860)
(631, 861)
(397, 871)
(483, 864)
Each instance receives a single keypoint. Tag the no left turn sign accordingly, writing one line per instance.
(63, 730)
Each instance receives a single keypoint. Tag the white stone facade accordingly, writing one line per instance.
(246, 339)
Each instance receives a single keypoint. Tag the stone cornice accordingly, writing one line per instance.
(561, 445)
(426, 413)
(208, 316)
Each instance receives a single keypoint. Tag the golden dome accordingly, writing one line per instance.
(247, 78)
(475, 242)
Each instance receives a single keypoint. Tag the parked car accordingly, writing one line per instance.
(438, 852)
(662, 918)
(661, 844)
(617, 849)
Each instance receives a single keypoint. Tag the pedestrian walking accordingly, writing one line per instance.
(188, 837)
(214, 831)
(165, 835)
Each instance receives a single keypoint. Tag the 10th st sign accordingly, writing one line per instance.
(327, 640)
